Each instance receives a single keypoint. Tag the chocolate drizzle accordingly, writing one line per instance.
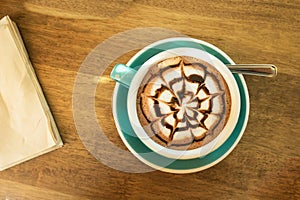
(182, 102)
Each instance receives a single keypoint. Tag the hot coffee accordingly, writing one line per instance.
(183, 102)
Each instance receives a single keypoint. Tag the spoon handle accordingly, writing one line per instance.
(267, 70)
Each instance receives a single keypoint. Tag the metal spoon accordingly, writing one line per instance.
(267, 70)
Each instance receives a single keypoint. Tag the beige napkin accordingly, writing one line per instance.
(27, 128)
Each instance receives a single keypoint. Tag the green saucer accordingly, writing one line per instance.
(142, 152)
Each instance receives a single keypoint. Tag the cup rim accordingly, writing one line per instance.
(216, 142)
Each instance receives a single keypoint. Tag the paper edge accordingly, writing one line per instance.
(47, 150)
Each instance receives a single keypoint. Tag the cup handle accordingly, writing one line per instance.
(122, 74)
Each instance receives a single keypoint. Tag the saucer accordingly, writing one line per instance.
(151, 158)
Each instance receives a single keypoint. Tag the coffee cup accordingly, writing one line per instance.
(182, 103)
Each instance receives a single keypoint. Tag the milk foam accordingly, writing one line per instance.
(183, 99)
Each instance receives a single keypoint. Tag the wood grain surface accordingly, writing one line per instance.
(59, 34)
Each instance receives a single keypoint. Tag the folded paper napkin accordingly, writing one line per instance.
(27, 128)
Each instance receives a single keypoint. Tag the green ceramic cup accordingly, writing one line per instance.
(132, 78)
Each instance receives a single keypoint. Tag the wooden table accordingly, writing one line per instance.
(264, 165)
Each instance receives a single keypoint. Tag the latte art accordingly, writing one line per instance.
(183, 103)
